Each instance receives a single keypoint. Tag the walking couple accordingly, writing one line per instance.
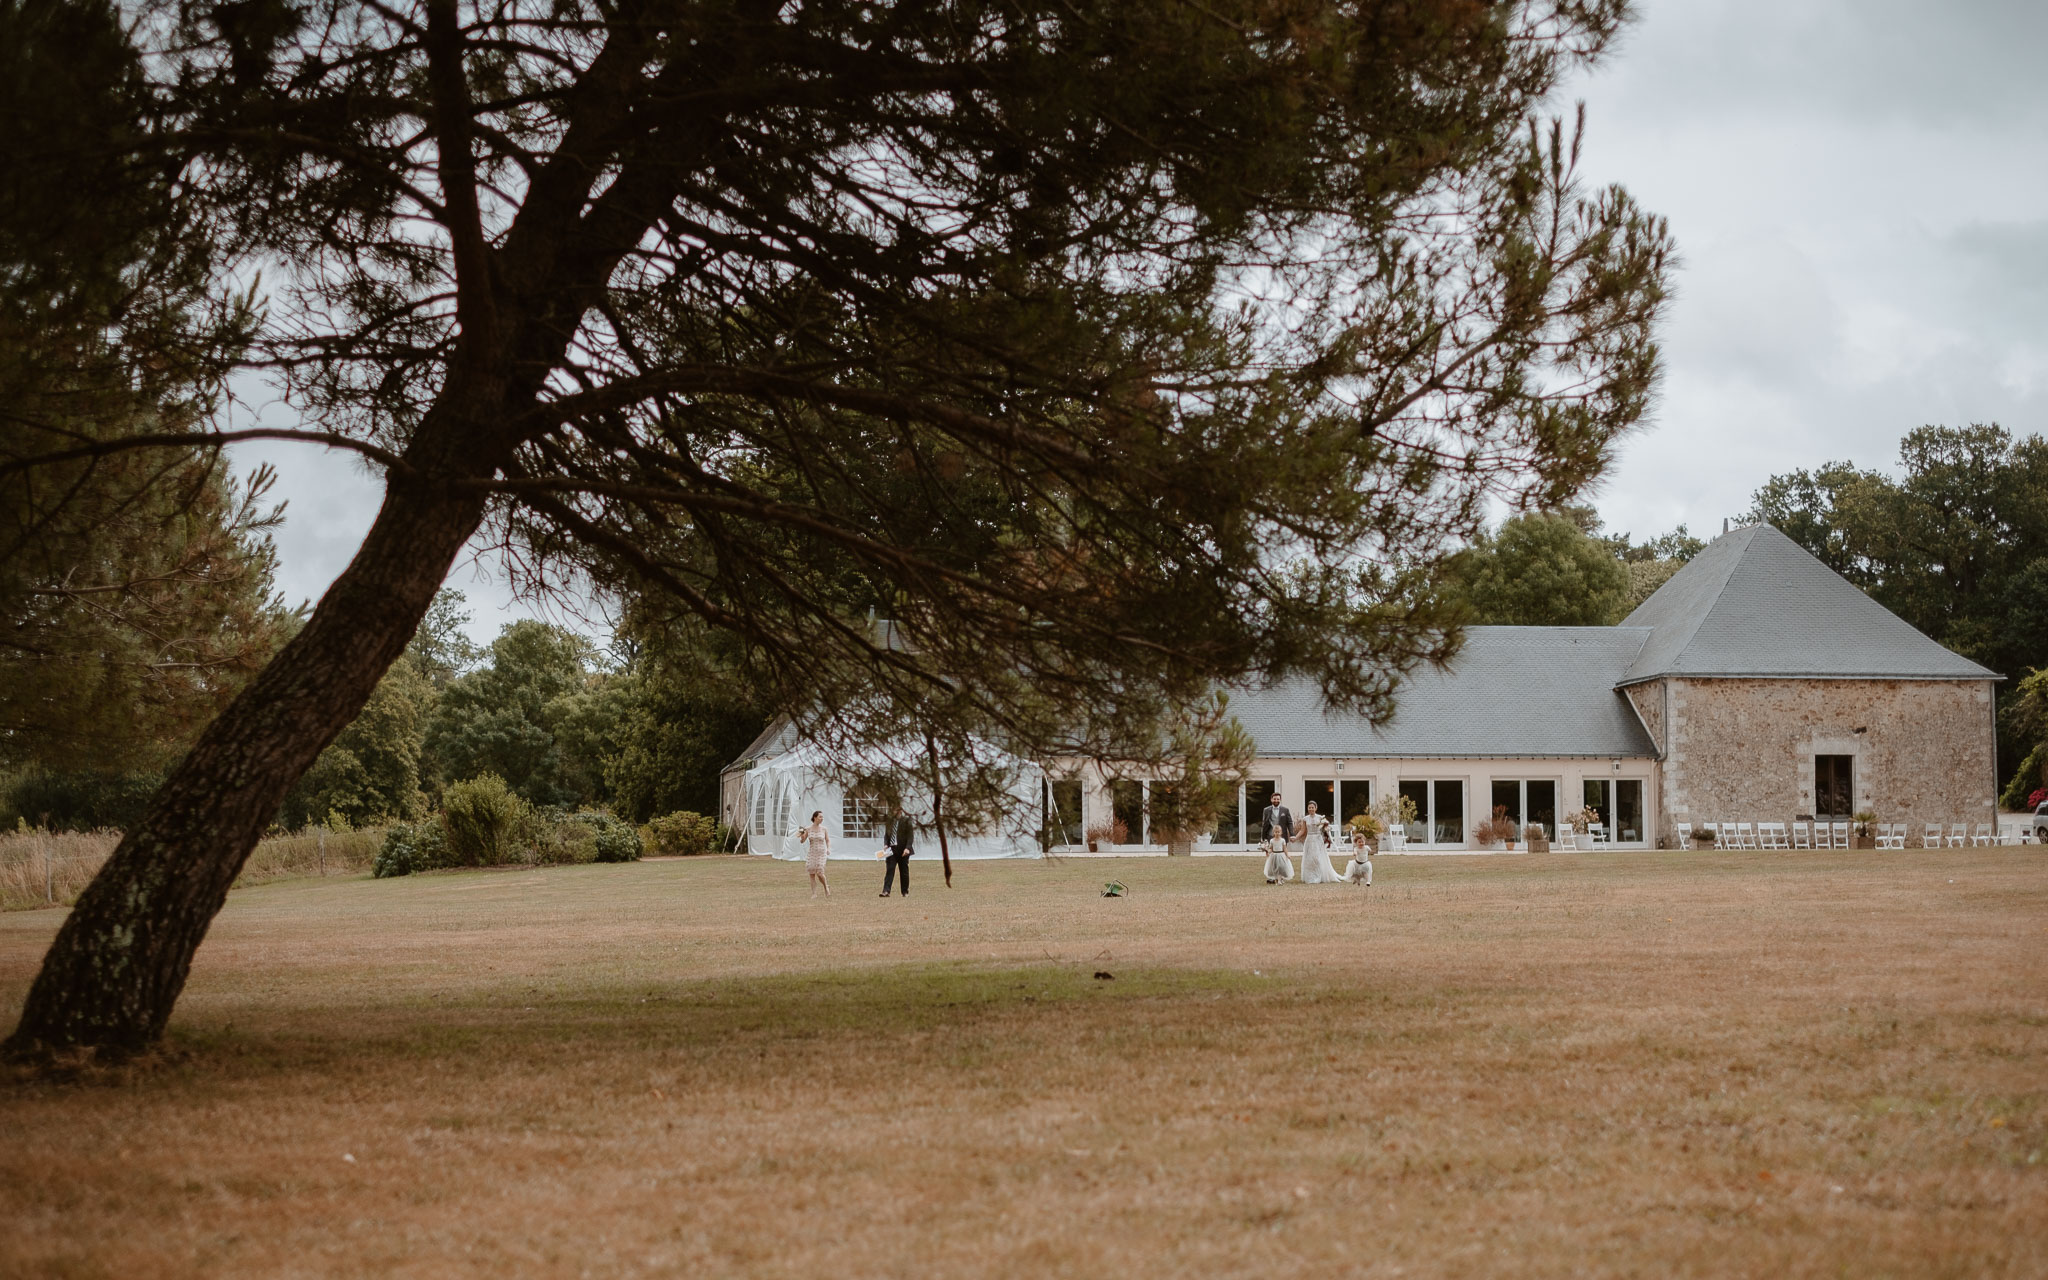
(1277, 826)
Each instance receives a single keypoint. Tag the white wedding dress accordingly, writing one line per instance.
(1315, 858)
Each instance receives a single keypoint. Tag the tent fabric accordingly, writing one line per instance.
(781, 791)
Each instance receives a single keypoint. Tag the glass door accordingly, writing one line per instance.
(1354, 797)
(1619, 804)
(1529, 802)
(1324, 793)
(1439, 811)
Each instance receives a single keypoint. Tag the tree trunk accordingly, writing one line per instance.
(117, 966)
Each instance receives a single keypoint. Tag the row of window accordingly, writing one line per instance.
(1440, 807)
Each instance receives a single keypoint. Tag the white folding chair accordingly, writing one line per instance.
(1840, 831)
(1745, 836)
(1597, 831)
(1931, 837)
(1983, 835)
(1685, 835)
(1778, 840)
(1892, 836)
(1958, 834)
(1567, 839)
(1802, 835)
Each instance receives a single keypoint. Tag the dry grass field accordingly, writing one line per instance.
(1623, 1064)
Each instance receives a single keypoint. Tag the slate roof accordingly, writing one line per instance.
(1756, 603)
(1511, 691)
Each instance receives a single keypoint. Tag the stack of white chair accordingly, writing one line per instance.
(1771, 835)
(1891, 835)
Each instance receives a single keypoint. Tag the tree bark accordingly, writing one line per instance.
(119, 963)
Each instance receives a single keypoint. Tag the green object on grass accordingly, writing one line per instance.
(1115, 889)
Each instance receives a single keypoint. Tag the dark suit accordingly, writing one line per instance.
(1274, 820)
(899, 854)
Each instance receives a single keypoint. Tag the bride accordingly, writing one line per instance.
(1315, 855)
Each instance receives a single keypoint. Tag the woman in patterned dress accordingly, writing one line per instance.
(817, 846)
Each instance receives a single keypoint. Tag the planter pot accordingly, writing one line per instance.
(1510, 845)
(1863, 842)
(1539, 845)
(1180, 848)
(1703, 845)
(1092, 848)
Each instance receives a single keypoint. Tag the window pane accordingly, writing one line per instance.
(1596, 798)
(1066, 815)
(1323, 793)
(1507, 796)
(1127, 802)
(1543, 805)
(1257, 795)
(1418, 830)
(1833, 793)
(1449, 816)
(860, 819)
(1354, 796)
(1227, 830)
(1628, 809)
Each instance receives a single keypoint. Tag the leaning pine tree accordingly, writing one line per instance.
(1112, 348)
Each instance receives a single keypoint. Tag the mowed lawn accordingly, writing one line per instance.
(1621, 1064)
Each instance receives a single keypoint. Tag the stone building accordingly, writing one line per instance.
(1756, 685)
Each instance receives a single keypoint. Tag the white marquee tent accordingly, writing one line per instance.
(782, 791)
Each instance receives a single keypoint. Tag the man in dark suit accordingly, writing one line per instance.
(1276, 824)
(899, 851)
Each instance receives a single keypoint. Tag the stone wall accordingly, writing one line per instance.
(1648, 700)
(1744, 749)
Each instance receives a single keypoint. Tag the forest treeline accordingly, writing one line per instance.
(633, 728)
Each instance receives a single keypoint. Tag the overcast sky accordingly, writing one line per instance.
(1859, 191)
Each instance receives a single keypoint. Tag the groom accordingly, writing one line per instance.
(899, 850)
(1276, 824)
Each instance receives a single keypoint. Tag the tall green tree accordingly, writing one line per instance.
(1043, 330)
(535, 714)
(135, 587)
(372, 769)
(1544, 570)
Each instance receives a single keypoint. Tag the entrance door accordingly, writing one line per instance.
(1834, 789)
(1439, 811)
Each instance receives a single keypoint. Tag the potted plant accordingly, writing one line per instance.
(1113, 831)
(1866, 836)
(1395, 812)
(1702, 838)
(1370, 828)
(1538, 838)
(1498, 829)
(1582, 819)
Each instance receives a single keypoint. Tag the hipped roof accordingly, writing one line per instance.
(1755, 603)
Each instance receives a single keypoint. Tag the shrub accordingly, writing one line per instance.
(589, 835)
(681, 834)
(616, 841)
(485, 820)
(410, 847)
(84, 801)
